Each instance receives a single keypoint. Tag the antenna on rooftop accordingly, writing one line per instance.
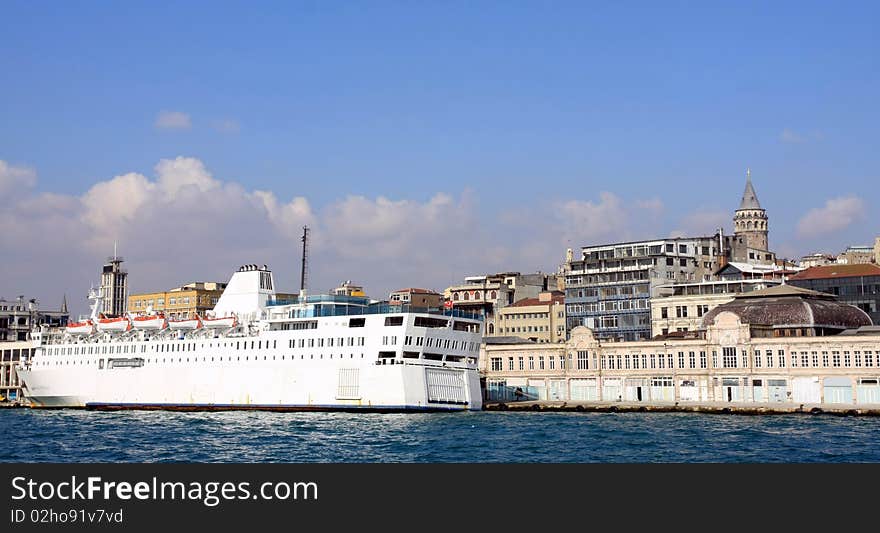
(305, 259)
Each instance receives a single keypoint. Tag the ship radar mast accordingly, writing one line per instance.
(305, 258)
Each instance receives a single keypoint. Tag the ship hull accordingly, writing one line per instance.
(288, 385)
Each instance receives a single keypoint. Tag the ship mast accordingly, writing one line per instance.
(305, 258)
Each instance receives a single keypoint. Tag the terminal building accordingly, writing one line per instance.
(780, 344)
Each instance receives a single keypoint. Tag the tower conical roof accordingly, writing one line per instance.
(750, 198)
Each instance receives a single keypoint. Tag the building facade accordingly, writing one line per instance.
(608, 289)
(856, 255)
(680, 308)
(858, 285)
(416, 297)
(540, 319)
(10, 354)
(188, 300)
(774, 346)
(114, 287)
(486, 295)
(18, 317)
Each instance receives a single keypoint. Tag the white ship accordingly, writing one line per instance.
(314, 353)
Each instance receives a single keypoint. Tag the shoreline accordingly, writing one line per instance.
(723, 408)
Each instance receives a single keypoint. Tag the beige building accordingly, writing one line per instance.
(781, 344)
(877, 251)
(487, 295)
(680, 308)
(416, 298)
(857, 255)
(181, 302)
(540, 319)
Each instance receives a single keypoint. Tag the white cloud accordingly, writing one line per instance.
(173, 120)
(837, 214)
(608, 220)
(15, 180)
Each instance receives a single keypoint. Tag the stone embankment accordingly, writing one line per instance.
(740, 408)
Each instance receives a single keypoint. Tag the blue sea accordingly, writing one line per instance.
(238, 436)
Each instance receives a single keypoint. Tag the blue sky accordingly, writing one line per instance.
(513, 109)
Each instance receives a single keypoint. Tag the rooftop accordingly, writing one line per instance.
(414, 290)
(788, 306)
(749, 199)
(837, 271)
(556, 298)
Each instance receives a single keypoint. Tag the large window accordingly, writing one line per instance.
(728, 358)
(496, 364)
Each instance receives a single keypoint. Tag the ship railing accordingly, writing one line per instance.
(374, 309)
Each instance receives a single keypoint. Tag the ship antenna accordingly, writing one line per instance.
(305, 261)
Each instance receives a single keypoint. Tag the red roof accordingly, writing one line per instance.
(837, 271)
(556, 297)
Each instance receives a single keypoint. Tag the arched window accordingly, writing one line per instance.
(749, 224)
(455, 297)
(491, 329)
(467, 296)
(477, 295)
(494, 294)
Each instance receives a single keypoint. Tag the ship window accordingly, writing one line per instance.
(394, 321)
(274, 344)
(357, 322)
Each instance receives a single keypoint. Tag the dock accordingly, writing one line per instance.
(739, 408)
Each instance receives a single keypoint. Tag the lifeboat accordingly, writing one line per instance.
(220, 323)
(151, 322)
(80, 328)
(114, 324)
(187, 323)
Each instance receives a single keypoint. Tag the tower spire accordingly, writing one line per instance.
(749, 198)
(64, 303)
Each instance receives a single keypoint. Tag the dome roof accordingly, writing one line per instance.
(786, 305)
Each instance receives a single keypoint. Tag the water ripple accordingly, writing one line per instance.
(234, 436)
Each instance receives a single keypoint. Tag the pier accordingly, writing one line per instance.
(740, 408)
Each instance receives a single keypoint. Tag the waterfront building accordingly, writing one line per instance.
(114, 286)
(486, 295)
(10, 355)
(18, 317)
(783, 344)
(540, 319)
(681, 307)
(180, 302)
(877, 251)
(857, 284)
(416, 298)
